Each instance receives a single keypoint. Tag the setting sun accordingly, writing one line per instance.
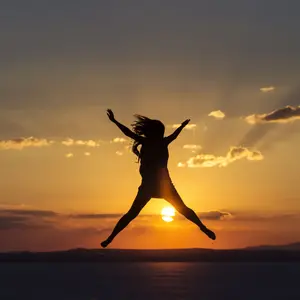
(168, 213)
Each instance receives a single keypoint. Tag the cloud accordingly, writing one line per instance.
(12, 222)
(21, 143)
(28, 212)
(210, 215)
(26, 142)
(88, 143)
(264, 216)
(95, 216)
(119, 153)
(17, 218)
(218, 114)
(25, 219)
(267, 89)
(87, 229)
(188, 126)
(119, 140)
(69, 155)
(282, 115)
(215, 215)
(6, 205)
(192, 147)
(181, 165)
(210, 160)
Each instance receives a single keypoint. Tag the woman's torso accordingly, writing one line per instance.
(154, 156)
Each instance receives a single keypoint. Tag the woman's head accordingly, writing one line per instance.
(147, 127)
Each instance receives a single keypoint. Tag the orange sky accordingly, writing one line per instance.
(233, 70)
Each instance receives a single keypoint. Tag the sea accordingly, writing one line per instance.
(143, 281)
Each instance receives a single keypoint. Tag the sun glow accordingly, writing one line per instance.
(168, 213)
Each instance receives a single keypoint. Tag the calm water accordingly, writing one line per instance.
(143, 281)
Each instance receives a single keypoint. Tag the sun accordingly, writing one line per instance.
(168, 213)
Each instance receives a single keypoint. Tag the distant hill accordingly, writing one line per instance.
(292, 247)
(265, 253)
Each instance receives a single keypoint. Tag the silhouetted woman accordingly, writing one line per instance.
(156, 181)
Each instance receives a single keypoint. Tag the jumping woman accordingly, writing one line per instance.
(156, 182)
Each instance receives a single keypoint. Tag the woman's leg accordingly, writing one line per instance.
(174, 199)
(138, 204)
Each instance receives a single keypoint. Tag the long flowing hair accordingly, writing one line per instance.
(145, 127)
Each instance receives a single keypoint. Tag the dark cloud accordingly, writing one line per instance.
(26, 219)
(265, 216)
(13, 222)
(209, 215)
(282, 115)
(268, 123)
(26, 212)
(215, 215)
(105, 216)
(95, 216)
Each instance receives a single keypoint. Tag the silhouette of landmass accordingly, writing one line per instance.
(282, 253)
(294, 247)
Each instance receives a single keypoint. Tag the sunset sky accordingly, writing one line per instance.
(67, 173)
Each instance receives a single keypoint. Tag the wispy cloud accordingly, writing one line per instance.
(95, 216)
(13, 222)
(88, 143)
(10, 218)
(211, 215)
(188, 126)
(29, 227)
(215, 215)
(210, 160)
(27, 142)
(119, 140)
(218, 114)
(25, 219)
(28, 212)
(69, 155)
(282, 115)
(181, 165)
(119, 153)
(21, 143)
(192, 147)
(267, 89)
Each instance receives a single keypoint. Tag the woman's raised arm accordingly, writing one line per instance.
(175, 134)
(123, 128)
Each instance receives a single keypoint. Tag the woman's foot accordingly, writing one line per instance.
(208, 232)
(105, 243)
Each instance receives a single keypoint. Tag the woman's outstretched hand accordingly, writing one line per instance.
(111, 115)
(185, 122)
